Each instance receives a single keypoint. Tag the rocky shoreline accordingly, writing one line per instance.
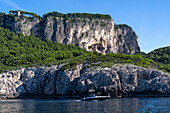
(118, 81)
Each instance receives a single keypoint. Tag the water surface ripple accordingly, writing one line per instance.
(123, 105)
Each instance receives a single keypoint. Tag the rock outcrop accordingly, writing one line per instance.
(118, 81)
(92, 34)
(127, 39)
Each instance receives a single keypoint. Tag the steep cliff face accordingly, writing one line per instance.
(117, 81)
(125, 40)
(92, 34)
(26, 26)
(22, 25)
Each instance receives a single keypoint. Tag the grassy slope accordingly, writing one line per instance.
(161, 55)
(23, 51)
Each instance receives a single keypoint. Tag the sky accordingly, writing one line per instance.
(150, 19)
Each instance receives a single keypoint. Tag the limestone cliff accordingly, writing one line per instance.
(117, 81)
(97, 34)
(127, 39)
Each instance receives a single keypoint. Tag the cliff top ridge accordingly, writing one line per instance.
(57, 14)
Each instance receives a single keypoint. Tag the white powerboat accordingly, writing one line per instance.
(94, 97)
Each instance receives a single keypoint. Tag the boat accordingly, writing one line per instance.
(94, 97)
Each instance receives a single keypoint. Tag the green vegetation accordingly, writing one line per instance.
(161, 55)
(4, 19)
(120, 26)
(77, 15)
(13, 16)
(1, 18)
(28, 51)
(25, 14)
(18, 50)
(57, 14)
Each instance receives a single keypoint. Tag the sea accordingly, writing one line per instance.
(115, 105)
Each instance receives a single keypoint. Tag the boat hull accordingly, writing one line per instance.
(96, 98)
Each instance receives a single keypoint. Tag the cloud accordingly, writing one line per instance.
(12, 4)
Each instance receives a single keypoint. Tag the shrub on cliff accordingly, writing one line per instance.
(18, 50)
(161, 55)
(77, 15)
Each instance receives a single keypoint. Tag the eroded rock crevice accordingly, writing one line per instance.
(97, 35)
(118, 81)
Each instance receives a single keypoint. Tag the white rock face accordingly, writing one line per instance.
(117, 81)
(25, 26)
(10, 84)
(93, 35)
(97, 35)
(125, 40)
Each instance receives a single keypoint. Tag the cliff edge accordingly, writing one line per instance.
(93, 32)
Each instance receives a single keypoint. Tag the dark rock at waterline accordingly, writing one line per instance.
(118, 81)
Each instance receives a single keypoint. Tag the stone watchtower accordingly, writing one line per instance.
(18, 13)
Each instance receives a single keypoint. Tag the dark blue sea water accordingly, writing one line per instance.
(123, 105)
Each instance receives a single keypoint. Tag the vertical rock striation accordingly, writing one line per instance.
(93, 34)
(117, 81)
(125, 40)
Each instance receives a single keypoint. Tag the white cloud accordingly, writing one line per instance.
(12, 4)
